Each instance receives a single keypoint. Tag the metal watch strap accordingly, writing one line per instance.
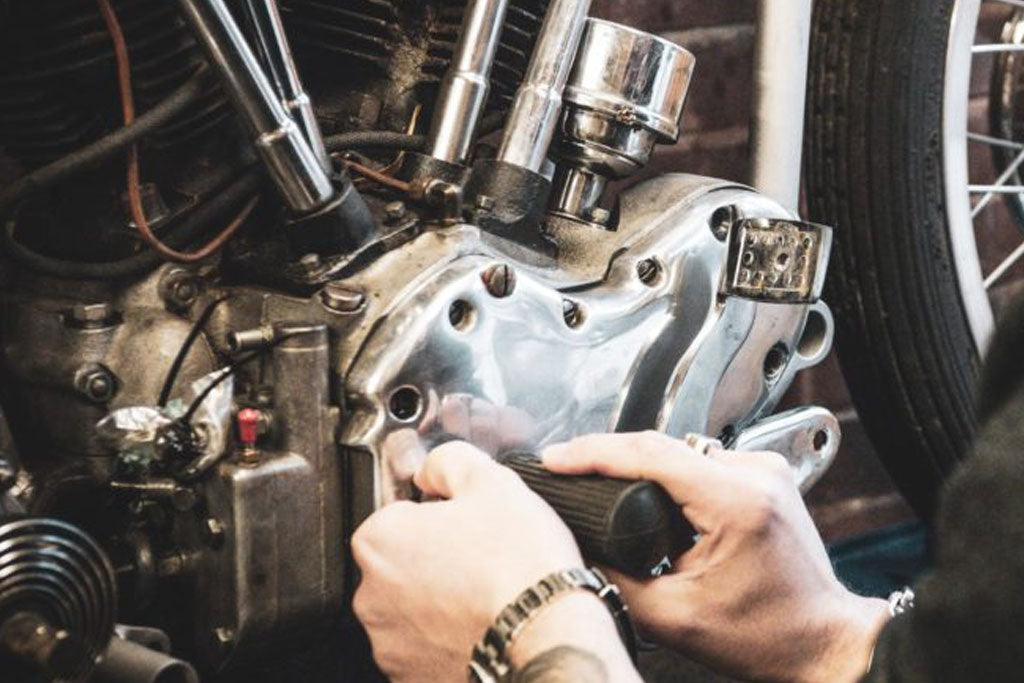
(489, 662)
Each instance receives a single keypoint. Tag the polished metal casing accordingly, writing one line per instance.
(626, 93)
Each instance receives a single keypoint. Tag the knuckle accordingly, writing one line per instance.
(761, 506)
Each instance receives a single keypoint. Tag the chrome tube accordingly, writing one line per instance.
(538, 103)
(465, 87)
(782, 52)
(295, 169)
(275, 54)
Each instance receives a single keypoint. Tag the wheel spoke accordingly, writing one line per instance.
(999, 187)
(988, 48)
(995, 142)
(1004, 266)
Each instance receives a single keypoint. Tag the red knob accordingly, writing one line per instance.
(248, 426)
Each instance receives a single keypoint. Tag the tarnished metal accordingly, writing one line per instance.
(778, 260)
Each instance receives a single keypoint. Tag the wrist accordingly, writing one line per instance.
(578, 619)
(849, 638)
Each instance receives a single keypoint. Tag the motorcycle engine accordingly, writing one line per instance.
(203, 434)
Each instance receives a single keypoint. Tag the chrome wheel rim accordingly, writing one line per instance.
(960, 214)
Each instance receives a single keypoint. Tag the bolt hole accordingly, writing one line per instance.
(782, 260)
(405, 404)
(721, 221)
(820, 439)
(775, 362)
(815, 335)
(460, 315)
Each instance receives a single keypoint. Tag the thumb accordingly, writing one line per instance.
(454, 469)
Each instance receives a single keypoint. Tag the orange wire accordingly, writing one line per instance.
(124, 82)
(378, 176)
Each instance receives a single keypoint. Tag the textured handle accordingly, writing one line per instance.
(631, 526)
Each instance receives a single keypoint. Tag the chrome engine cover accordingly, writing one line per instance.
(626, 330)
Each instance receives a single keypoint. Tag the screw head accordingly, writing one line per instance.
(180, 288)
(500, 280)
(648, 271)
(572, 313)
(395, 211)
(342, 299)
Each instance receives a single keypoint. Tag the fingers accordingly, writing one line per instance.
(649, 455)
(455, 468)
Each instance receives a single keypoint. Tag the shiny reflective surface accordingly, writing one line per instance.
(665, 352)
(626, 93)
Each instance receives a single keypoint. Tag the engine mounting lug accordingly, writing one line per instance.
(572, 313)
(342, 299)
(648, 270)
(395, 212)
(179, 289)
(721, 222)
(500, 280)
(213, 533)
(92, 316)
(95, 382)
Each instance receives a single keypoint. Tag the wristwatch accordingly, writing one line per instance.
(489, 662)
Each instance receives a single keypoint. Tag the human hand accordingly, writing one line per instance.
(436, 574)
(756, 597)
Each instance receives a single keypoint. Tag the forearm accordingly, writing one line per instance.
(573, 639)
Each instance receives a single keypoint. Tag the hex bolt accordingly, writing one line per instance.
(395, 212)
(722, 221)
(92, 316)
(180, 288)
(95, 382)
(500, 280)
(213, 533)
(572, 313)
(648, 271)
(341, 299)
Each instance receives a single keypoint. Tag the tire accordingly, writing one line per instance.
(875, 172)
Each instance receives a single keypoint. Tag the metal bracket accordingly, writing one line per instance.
(779, 261)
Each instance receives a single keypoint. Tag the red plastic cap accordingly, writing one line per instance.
(248, 426)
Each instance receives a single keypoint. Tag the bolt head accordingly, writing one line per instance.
(95, 382)
(92, 315)
(342, 299)
(485, 202)
(572, 313)
(500, 280)
(648, 271)
(395, 211)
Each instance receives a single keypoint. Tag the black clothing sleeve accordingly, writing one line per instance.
(968, 623)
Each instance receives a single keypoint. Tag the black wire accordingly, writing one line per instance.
(106, 147)
(186, 346)
(240, 190)
(232, 368)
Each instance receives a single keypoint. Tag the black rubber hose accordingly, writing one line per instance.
(376, 139)
(106, 147)
(239, 191)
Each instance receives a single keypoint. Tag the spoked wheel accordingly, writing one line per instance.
(916, 155)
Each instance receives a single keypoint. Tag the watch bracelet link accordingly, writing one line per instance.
(489, 662)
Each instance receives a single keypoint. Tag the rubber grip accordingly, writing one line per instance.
(632, 526)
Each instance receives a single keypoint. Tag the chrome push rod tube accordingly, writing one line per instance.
(295, 169)
(780, 93)
(275, 54)
(538, 102)
(465, 87)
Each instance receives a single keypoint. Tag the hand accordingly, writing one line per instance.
(436, 574)
(756, 597)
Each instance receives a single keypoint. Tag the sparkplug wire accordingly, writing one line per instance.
(124, 82)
